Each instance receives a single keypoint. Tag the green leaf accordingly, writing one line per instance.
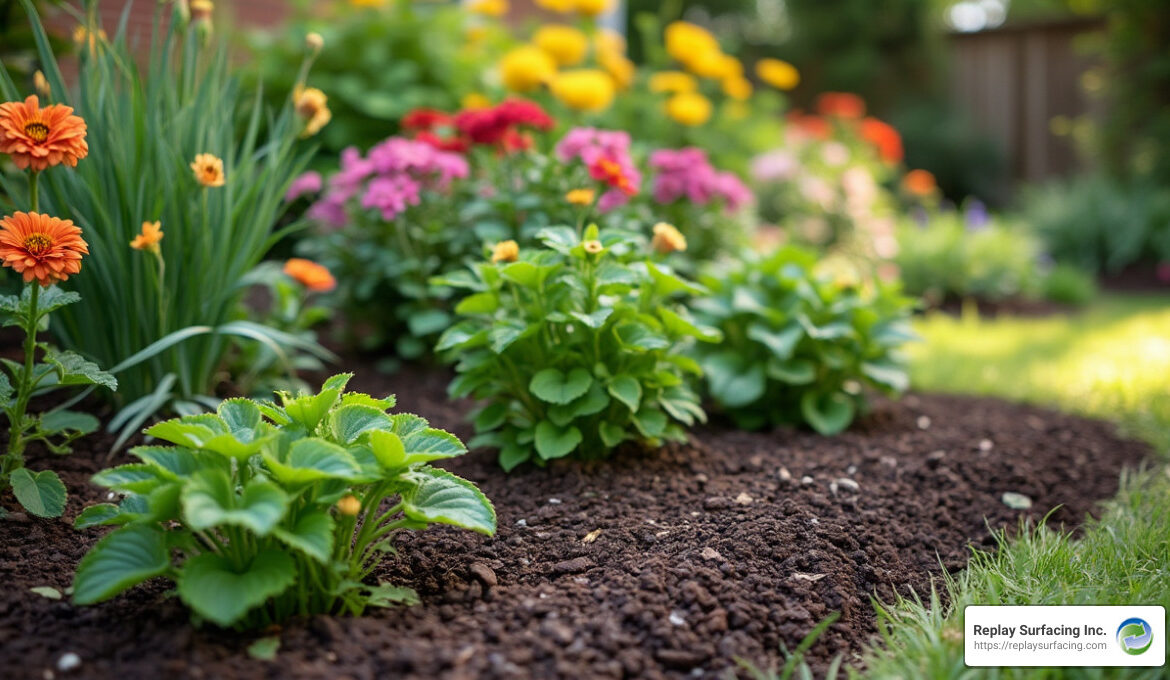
(337, 382)
(97, 515)
(641, 336)
(40, 493)
(627, 390)
(512, 455)
(556, 442)
(611, 434)
(428, 321)
(241, 417)
(437, 496)
(312, 459)
(312, 535)
(351, 422)
(308, 410)
(506, 332)
(887, 374)
(478, 303)
(49, 300)
(561, 239)
(522, 273)
(782, 343)
(554, 387)
(681, 326)
(792, 372)
(122, 559)
(213, 589)
(6, 390)
(595, 320)
(209, 500)
(593, 401)
(133, 477)
(73, 369)
(666, 283)
(827, 413)
(265, 648)
(650, 422)
(387, 595)
(183, 432)
(175, 462)
(734, 382)
(68, 421)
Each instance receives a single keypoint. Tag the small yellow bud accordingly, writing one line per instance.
(42, 85)
(580, 196)
(667, 239)
(506, 251)
(349, 505)
(593, 246)
(314, 42)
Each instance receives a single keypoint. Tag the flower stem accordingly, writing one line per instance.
(17, 425)
(32, 191)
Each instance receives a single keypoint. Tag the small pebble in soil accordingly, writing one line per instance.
(986, 445)
(68, 661)
(521, 522)
(484, 574)
(785, 475)
(806, 480)
(1016, 501)
(710, 553)
(744, 498)
(554, 501)
(847, 484)
(591, 536)
(716, 503)
(677, 618)
(924, 422)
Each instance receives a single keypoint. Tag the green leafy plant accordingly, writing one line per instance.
(798, 347)
(574, 347)
(165, 333)
(263, 511)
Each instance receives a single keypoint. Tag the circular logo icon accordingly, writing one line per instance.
(1135, 636)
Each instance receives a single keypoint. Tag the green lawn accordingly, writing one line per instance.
(1111, 361)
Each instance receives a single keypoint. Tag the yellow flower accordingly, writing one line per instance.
(689, 108)
(609, 40)
(580, 196)
(82, 35)
(208, 170)
(667, 239)
(565, 44)
(592, 246)
(673, 81)
(779, 74)
(737, 87)
(349, 505)
(562, 6)
(584, 89)
(314, 42)
(505, 251)
(490, 8)
(621, 69)
(367, 3)
(310, 104)
(149, 238)
(42, 86)
(592, 8)
(475, 100)
(686, 41)
(201, 10)
(711, 64)
(526, 68)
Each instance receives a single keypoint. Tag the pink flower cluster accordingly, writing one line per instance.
(688, 173)
(389, 179)
(593, 146)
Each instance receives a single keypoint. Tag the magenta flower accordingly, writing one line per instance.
(687, 173)
(590, 146)
(308, 183)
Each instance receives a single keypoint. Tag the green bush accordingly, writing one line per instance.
(797, 348)
(263, 511)
(575, 347)
(1069, 285)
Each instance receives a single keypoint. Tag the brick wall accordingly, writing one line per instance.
(241, 13)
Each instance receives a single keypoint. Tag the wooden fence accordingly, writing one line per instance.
(1014, 80)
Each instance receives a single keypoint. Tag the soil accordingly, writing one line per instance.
(658, 564)
(1140, 277)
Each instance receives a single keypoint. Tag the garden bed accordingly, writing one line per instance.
(655, 564)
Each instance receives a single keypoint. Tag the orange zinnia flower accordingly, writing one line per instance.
(44, 248)
(310, 274)
(39, 138)
(841, 105)
(884, 137)
(919, 183)
(149, 238)
(208, 170)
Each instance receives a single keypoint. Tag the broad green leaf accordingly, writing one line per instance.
(387, 595)
(265, 648)
(438, 496)
(73, 369)
(213, 589)
(593, 401)
(97, 515)
(782, 343)
(641, 336)
(562, 239)
(478, 303)
(388, 449)
(627, 390)
(595, 320)
(666, 283)
(887, 374)
(490, 417)
(650, 422)
(187, 434)
(678, 325)
(506, 332)
(308, 410)
(611, 434)
(733, 381)
(351, 422)
(358, 399)
(173, 461)
(431, 444)
(209, 500)
(554, 387)
(556, 442)
(337, 382)
(512, 455)
(792, 372)
(137, 478)
(464, 335)
(68, 421)
(41, 493)
(428, 321)
(827, 413)
(241, 418)
(312, 535)
(521, 273)
(312, 459)
(122, 559)
(49, 300)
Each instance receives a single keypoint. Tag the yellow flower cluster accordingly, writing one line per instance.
(556, 46)
(779, 74)
(526, 68)
(585, 89)
(589, 8)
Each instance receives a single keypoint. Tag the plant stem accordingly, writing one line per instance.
(15, 457)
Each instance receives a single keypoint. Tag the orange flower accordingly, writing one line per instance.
(841, 105)
(919, 183)
(149, 238)
(208, 170)
(310, 274)
(39, 138)
(44, 248)
(611, 172)
(667, 239)
(884, 137)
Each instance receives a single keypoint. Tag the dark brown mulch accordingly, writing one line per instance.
(1141, 277)
(703, 553)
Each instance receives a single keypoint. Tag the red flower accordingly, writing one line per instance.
(523, 113)
(884, 137)
(424, 119)
(813, 126)
(498, 125)
(841, 105)
(610, 171)
(457, 144)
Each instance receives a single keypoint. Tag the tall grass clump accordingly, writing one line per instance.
(163, 320)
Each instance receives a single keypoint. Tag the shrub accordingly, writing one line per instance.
(164, 331)
(575, 347)
(264, 511)
(797, 348)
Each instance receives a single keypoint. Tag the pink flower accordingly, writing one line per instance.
(391, 195)
(308, 183)
(688, 173)
(606, 153)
